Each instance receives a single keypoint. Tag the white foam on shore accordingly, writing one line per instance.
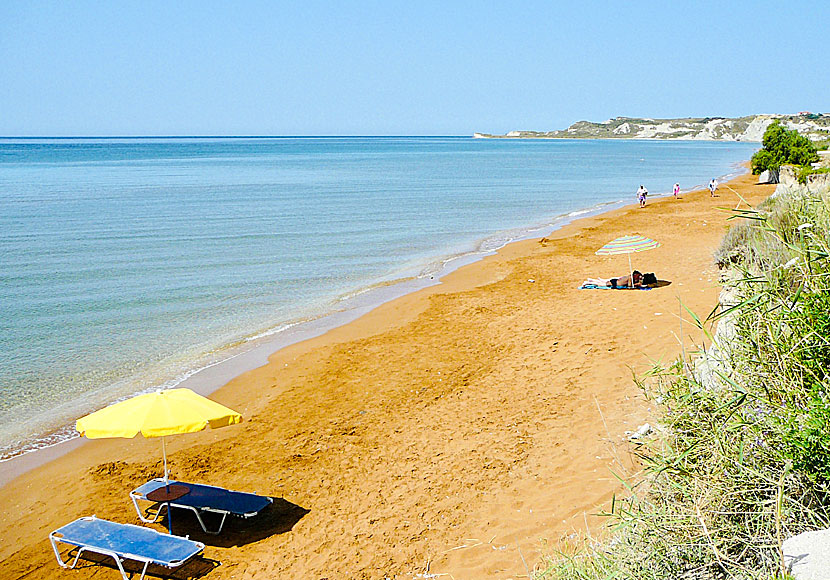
(216, 368)
(259, 345)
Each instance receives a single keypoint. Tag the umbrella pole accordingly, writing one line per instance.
(167, 485)
(164, 453)
(630, 271)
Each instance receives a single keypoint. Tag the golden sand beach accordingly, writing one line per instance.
(461, 430)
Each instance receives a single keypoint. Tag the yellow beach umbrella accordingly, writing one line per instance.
(158, 414)
(628, 245)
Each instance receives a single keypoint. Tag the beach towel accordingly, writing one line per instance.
(595, 287)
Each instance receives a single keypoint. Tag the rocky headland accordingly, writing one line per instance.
(749, 128)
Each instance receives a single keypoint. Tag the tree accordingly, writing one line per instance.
(782, 146)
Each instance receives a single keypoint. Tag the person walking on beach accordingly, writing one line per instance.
(713, 185)
(642, 192)
(676, 190)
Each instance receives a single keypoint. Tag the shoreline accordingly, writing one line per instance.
(447, 431)
(74, 385)
(255, 351)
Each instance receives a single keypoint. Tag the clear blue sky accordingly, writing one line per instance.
(390, 68)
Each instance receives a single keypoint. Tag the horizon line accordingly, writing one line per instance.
(218, 136)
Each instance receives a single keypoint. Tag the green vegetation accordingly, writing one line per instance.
(742, 459)
(802, 173)
(783, 147)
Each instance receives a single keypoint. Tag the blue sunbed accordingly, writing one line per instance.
(123, 542)
(200, 499)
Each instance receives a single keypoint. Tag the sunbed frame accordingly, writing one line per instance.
(251, 504)
(64, 535)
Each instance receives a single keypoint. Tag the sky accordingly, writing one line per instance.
(393, 67)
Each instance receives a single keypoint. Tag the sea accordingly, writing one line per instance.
(134, 264)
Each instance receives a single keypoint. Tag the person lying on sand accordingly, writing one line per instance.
(640, 280)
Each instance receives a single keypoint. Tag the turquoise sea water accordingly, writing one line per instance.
(127, 264)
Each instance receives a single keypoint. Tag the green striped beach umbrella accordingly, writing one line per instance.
(628, 245)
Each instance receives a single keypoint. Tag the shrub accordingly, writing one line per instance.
(782, 146)
(803, 172)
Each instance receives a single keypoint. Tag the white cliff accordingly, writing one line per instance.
(750, 128)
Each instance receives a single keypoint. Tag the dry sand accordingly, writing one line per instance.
(454, 431)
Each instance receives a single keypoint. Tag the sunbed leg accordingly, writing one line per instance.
(222, 523)
(204, 527)
(144, 571)
(58, 555)
(140, 516)
(121, 567)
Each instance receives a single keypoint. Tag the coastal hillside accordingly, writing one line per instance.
(750, 128)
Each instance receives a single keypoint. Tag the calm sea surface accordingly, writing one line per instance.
(127, 264)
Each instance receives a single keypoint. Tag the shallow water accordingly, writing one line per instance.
(127, 264)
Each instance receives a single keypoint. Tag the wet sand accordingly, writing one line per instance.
(461, 430)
